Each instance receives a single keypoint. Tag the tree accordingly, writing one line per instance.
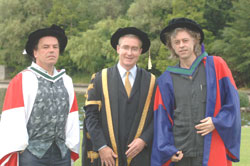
(17, 19)
(149, 16)
(100, 10)
(217, 14)
(91, 50)
(193, 9)
(234, 45)
(72, 15)
(125, 5)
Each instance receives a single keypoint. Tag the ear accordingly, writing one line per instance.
(118, 48)
(35, 53)
(140, 51)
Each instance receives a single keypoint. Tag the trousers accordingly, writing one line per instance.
(51, 158)
(190, 161)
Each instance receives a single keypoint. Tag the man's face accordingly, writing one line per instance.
(129, 50)
(47, 51)
(183, 45)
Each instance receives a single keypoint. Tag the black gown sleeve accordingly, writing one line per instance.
(93, 113)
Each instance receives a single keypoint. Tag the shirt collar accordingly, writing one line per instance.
(123, 71)
(191, 70)
(36, 66)
(43, 73)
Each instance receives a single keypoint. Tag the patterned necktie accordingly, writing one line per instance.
(127, 84)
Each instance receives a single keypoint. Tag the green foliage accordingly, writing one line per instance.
(2, 95)
(244, 148)
(217, 15)
(70, 14)
(91, 51)
(234, 45)
(149, 16)
(90, 24)
(193, 9)
(81, 77)
(17, 19)
(163, 60)
(100, 9)
(244, 100)
(65, 62)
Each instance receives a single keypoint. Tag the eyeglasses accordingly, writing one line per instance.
(133, 49)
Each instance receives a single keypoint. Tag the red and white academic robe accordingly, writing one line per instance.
(18, 104)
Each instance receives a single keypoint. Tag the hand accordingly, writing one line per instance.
(135, 147)
(177, 157)
(205, 127)
(107, 156)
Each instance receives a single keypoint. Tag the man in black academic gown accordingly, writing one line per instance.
(118, 127)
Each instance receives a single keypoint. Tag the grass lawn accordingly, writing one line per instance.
(244, 151)
(81, 77)
(245, 148)
(79, 161)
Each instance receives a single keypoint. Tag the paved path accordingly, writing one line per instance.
(83, 87)
(4, 84)
(78, 87)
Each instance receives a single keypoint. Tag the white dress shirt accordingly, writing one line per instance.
(132, 74)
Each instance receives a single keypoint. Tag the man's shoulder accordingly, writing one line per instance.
(164, 75)
(26, 72)
(216, 58)
(218, 61)
(98, 75)
(22, 75)
(67, 77)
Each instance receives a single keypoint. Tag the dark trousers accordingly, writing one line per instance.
(51, 158)
(190, 161)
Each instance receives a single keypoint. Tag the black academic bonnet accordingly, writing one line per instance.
(54, 30)
(131, 30)
(181, 23)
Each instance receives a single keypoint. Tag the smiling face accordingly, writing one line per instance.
(47, 52)
(129, 50)
(183, 44)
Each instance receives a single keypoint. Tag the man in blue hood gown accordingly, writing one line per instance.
(196, 110)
